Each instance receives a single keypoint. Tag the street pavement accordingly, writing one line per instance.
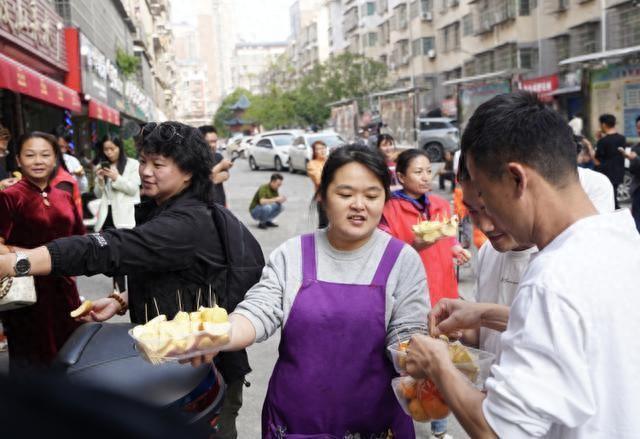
(298, 217)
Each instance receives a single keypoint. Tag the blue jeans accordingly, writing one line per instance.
(439, 426)
(266, 212)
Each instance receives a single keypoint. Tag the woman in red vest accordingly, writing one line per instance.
(413, 204)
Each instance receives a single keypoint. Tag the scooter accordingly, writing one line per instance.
(103, 355)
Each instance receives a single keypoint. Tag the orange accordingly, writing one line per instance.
(417, 412)
(408, 388)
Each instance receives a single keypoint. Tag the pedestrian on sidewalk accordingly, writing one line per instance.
(267, 203)
(73, 165)
(522, 162)
(634, 167)
(314, 171)
(220, 170)
(342, 295)
(32, 213)
(446, 173)
(609, 160)
(386, 145)
(117, 186)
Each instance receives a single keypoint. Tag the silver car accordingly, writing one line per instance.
(271, 149)
(300, 152)
(437, 135)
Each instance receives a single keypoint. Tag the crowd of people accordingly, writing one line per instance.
(553, 291)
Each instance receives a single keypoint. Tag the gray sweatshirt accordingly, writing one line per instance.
(268, 303)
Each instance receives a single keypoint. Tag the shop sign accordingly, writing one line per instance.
(542, 86)
(100, 77)
(34, 26)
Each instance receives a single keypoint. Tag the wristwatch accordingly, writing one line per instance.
(23, 266)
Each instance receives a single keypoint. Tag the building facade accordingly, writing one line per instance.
(249, 62)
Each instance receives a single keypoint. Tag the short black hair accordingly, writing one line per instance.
(406, 157)
(385, 138)
(61, 132)
(354, 153)
(518, 127)
(275, 176)
(206, 129)
(186, 146)
(608, 120)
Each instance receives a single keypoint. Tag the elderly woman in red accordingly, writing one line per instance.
(32, 213)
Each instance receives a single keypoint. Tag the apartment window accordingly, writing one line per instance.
(469, 68)
(384, 32)
(467, 25)
(425, 6)
(401, 16)
(414, 9)
(584, 39)
(451, 37)
(368, 9)
(484, 63)
(383, 59)
(561, 44)
(524, 7)
(505, 57)
(422, 46)
(382, 6)
(629, 29)
(372, 39)
(529, 59)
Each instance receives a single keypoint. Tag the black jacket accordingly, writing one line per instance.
(171, 258)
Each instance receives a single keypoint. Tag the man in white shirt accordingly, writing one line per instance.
(501, 261)
(567, 367)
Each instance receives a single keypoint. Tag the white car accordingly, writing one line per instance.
(238, 146)
(271, 149)
(300, 152)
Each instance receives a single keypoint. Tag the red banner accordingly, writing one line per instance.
(21, 79)
(542, 86)
(98, 110)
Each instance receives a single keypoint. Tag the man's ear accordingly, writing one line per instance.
(518, 176)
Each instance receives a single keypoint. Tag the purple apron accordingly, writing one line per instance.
(332, 378)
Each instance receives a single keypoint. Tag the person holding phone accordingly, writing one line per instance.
(117, 185)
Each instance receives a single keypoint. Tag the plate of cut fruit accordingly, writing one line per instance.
(187, 335)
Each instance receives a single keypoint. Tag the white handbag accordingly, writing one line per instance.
(17, 292)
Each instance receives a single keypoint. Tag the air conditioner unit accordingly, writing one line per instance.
(427, 16)
(431, 54)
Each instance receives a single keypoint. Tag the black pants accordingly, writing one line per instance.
(118, 281)
(447, 175)
(635, 208)
(615, 195)
(230, 408)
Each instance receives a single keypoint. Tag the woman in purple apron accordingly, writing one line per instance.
(341, 295)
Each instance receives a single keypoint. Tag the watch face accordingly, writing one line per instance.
(23, 266)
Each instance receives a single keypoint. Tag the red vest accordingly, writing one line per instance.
(398, 217)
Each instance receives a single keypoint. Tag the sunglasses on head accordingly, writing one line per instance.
(165, 131)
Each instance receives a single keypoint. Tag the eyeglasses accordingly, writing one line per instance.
(165, 131)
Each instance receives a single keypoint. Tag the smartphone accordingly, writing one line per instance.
(105, 165)
(234, 158)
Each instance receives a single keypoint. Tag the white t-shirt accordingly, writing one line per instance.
(498, 277)
(598, 188)
(570, 354)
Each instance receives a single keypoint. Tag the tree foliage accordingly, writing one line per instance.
(291, 101)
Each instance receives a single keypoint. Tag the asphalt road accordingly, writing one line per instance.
(298, 217)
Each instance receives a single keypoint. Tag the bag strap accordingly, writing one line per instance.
(6, 282)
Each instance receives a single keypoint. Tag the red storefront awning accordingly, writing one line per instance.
(98, 110)
(21, 79)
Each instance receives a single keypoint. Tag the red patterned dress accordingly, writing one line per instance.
(30, 217)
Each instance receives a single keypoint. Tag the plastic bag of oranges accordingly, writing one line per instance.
(420, 399)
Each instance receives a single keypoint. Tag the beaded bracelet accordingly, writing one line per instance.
(121, 301)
